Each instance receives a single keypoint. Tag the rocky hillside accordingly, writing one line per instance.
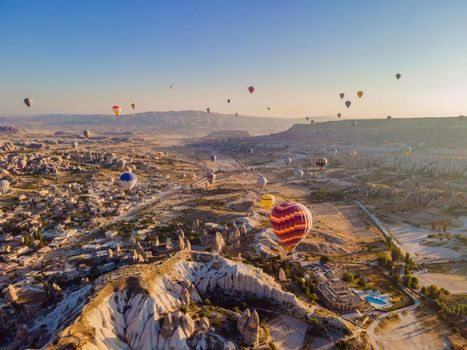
(9, 130)
(419, 133)
(148, 306)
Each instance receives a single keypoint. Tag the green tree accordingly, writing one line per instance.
(409, 263)
(348, 277)
(414, 283)
(407, 280)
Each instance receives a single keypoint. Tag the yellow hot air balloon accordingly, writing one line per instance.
(267, 200)
(360, 94)
(407, 151)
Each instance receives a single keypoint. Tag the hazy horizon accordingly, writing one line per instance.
(84, 57)
(111, 116)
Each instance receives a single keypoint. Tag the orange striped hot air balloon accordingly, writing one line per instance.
(291, 222)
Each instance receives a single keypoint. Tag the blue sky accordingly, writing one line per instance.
(84, 56)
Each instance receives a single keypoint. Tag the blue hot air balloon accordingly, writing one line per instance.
(128, 180)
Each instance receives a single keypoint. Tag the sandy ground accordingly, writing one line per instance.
(412, 332)
(287, 332)
(454, 283)
(411, 239)
(343, 221)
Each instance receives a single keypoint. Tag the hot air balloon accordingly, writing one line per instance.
(128, 181)
(408, 151)
(75, 145)
(87, 134)
(267, 200)
(228, 100)
(307, 118)
(339, 115)
(252, 150)
(312, 121)
(321, 162)
(211, 177)
(360, 94)
(117, 110)
(353, 153)
(333, 151)
(299, 173)
(236, 114)
(341, 95)
(133, 105)
(208, 110)
(251, 89)
(291, 222)
(171, 87)
(261, 181)
(28, 101)
(213, 157)
(22, 164)
(388, 117)
(348, 103)
(269, 108)
(4, 186)
(398, 76)
(287, 161)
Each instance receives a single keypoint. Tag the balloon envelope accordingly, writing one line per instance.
(398, 76)
(360, 94)
(291, 222)
(28, 101)
(213, 157)
(339, 115)
(299, 173)
(267, 200)
(117, 110)
(87, 134)
(128, 180)
(211, 177)
(133, 105)
(341, 95)
(251, 89)
(261, 182)
(348, 103)
(287, 161)
(321, 162)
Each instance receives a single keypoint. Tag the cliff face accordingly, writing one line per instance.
(144, 312)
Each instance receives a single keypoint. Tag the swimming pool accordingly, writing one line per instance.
(374, 300)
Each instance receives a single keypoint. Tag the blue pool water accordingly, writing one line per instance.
(375, 300)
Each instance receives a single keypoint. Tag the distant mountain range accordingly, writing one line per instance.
(181, 122)
(421, 133)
